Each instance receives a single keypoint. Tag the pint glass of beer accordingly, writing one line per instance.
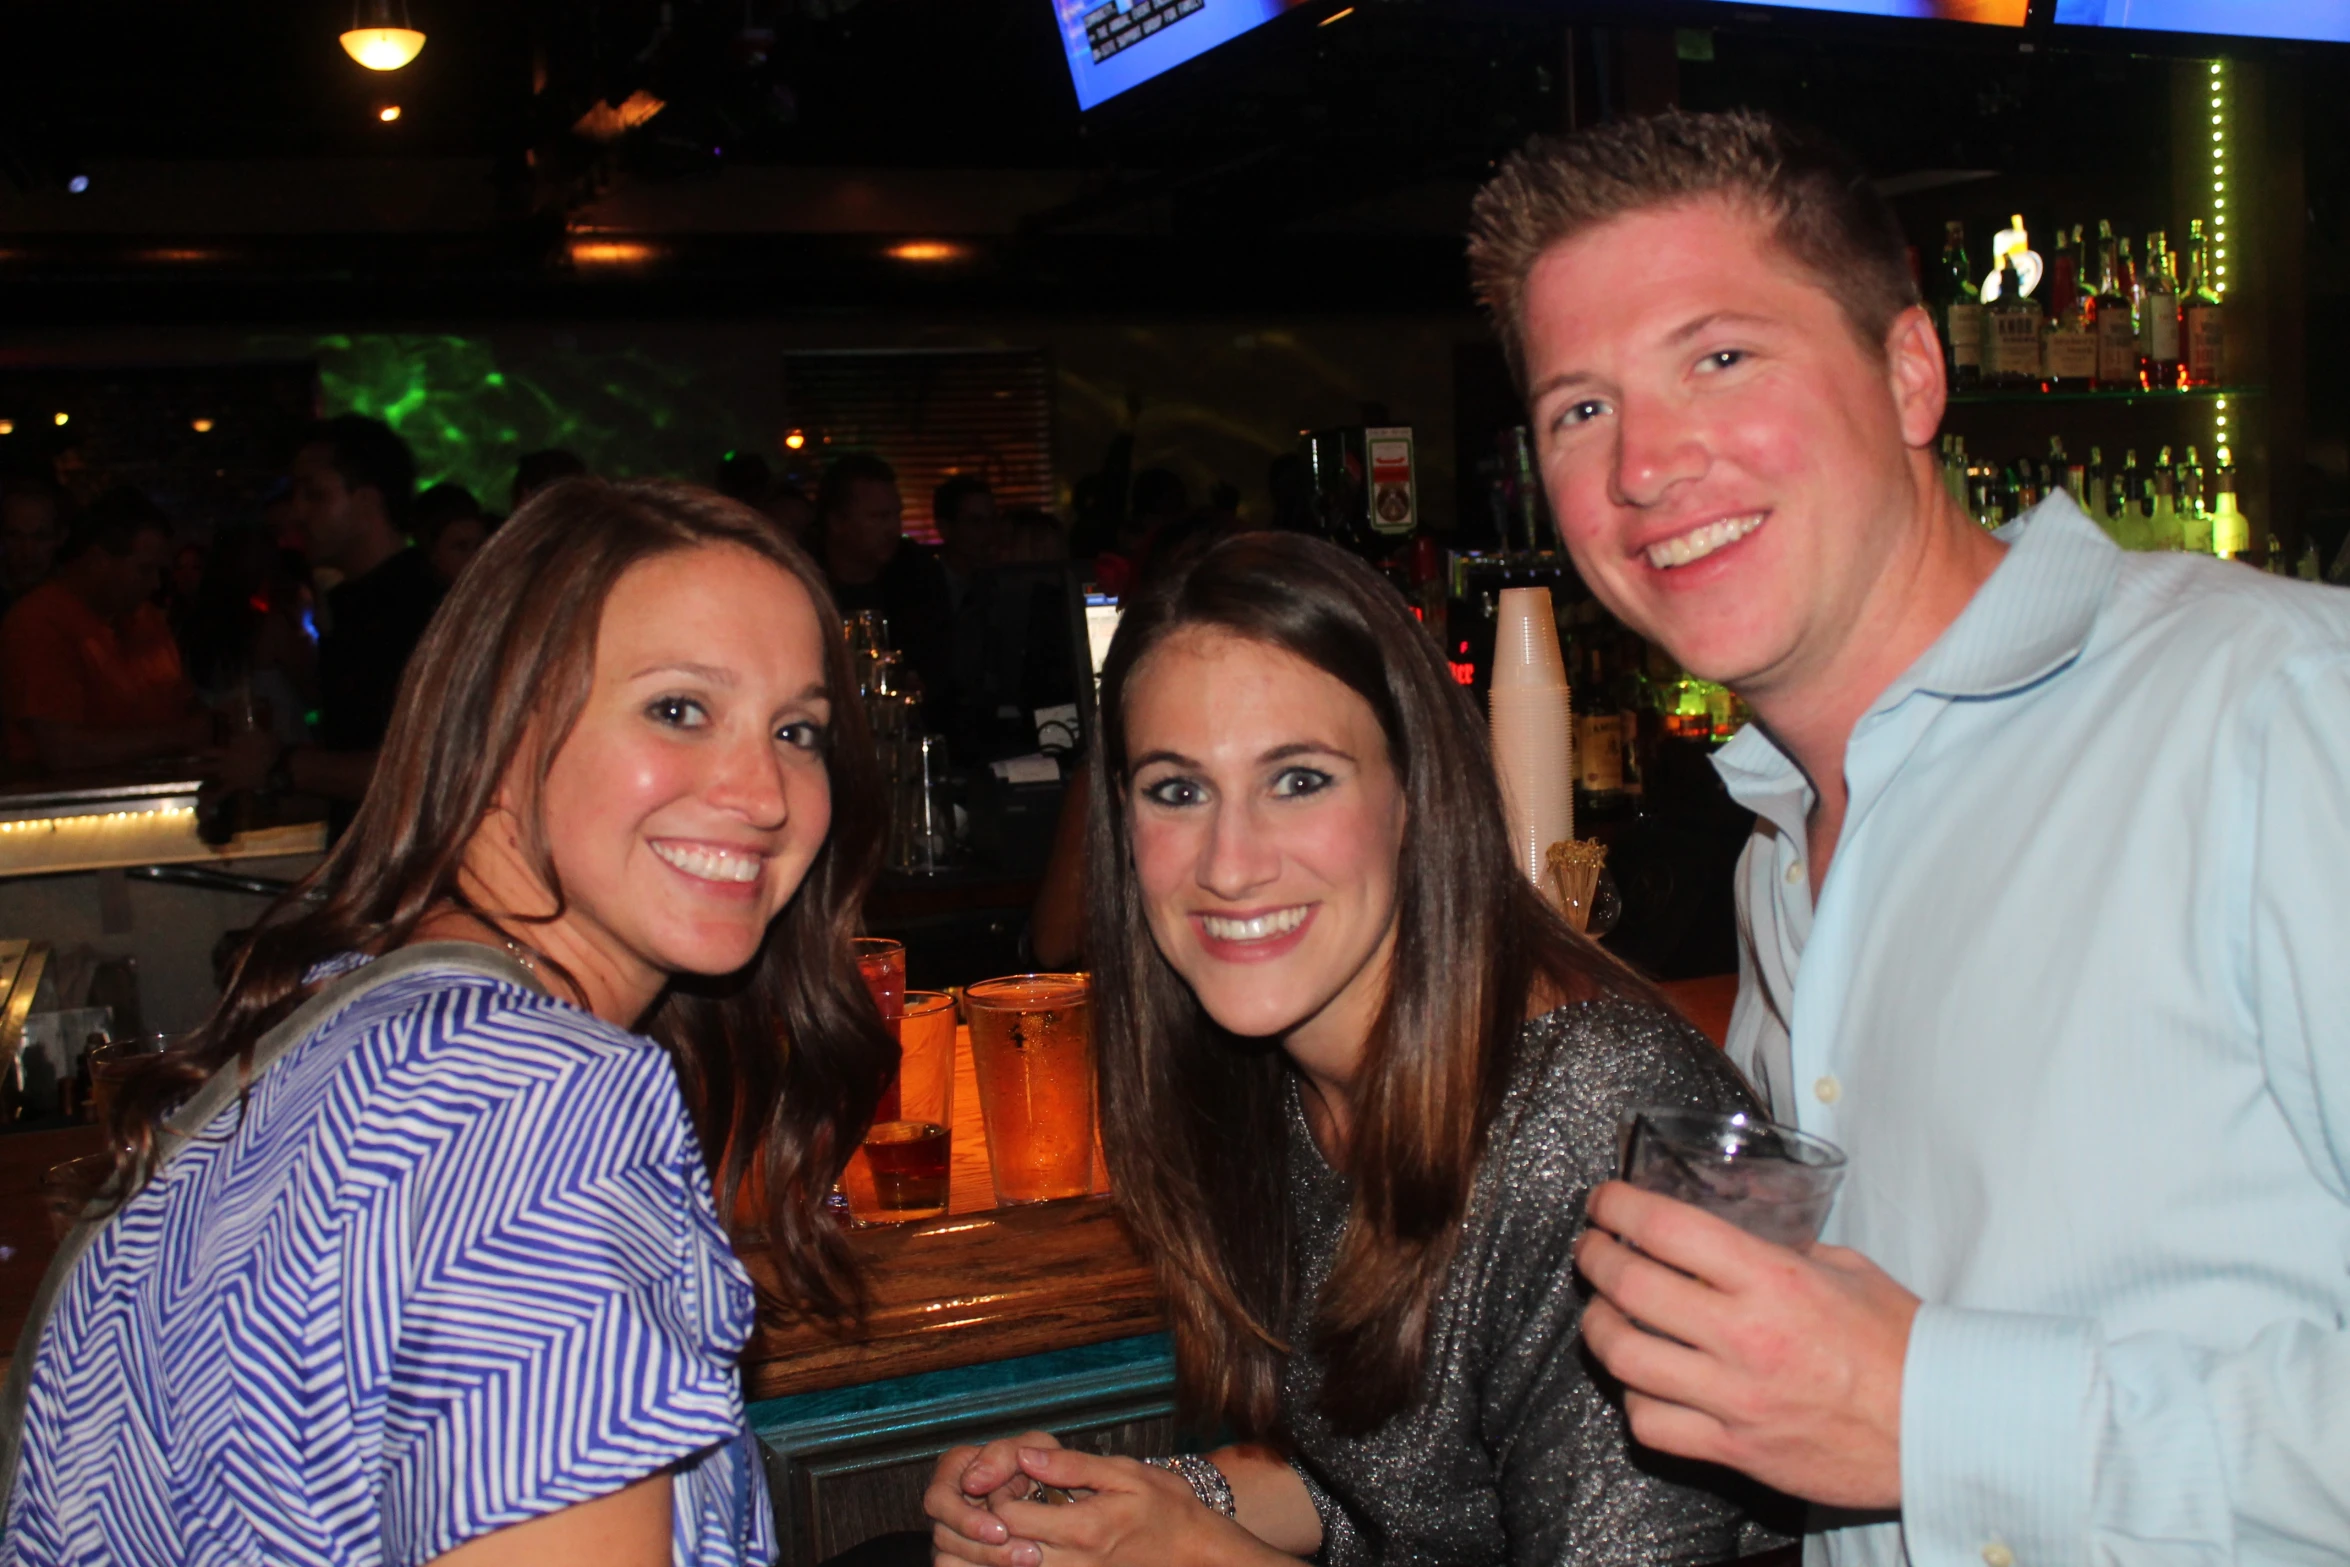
(1032, 1048)
(899, 1172)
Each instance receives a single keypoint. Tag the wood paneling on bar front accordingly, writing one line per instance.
(966, 1288)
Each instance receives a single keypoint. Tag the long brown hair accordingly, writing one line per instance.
(781, 1063)
(1194, 1116)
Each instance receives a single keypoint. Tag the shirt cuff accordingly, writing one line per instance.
(1341, 1545)
(1996, 1408)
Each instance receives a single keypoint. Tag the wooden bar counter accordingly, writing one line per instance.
(981, 1323)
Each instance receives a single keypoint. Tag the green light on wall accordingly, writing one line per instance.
(470, 408)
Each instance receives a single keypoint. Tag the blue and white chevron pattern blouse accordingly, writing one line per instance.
(455, 1268)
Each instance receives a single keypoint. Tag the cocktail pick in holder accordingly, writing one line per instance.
(1574, 878)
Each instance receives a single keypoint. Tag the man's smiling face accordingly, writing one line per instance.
(1724, 455)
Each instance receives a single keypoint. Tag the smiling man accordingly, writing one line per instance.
(2040, 920)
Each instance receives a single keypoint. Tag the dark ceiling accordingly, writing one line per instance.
(1307, 164)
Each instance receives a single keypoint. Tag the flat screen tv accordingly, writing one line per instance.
(1116, 44)
(2000, 13)
(2323, 20)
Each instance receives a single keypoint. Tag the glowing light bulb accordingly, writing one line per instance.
(64, 418)
(388, 113)
(795, 440)
(383, 48)
(200, 426)
(7, 426)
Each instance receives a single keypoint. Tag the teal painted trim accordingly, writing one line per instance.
(1133, 1368)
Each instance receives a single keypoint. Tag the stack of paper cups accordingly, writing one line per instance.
(1533, 728)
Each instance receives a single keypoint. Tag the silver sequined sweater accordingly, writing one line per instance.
(1513, 1455)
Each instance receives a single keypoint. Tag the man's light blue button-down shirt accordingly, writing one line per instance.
(2076, 999)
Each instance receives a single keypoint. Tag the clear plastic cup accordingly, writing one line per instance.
(1772, 1181)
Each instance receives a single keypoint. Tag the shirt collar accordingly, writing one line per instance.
(2030, 618)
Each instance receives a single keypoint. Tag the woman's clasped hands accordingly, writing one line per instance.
(1000, 1506)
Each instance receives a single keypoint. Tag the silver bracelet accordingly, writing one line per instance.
(1207, 1482)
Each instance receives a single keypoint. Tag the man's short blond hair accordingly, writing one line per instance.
(1822, 210)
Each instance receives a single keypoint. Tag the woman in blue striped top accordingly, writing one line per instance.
(420, 1259)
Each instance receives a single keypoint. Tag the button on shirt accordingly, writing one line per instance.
(2076, 999)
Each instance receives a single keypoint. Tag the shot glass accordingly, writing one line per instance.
(899, 1172)
(1032, 1047)
(1771, 1181)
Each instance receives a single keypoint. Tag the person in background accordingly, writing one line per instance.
(793, 512)
(434, 1270)
(244, 643)
(1033, 536)
(746, 477)
(970, 531)
(32, 526)
(872, 565)
(449, 526)
(1356, 1078)
(537, 470)
(354, 481)
(2041, 920)
(90, 675)
(281, 519)
(1160, 498)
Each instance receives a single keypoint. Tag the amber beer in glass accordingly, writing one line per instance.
(900, 1170)
(881, 964)
(1032, 1048)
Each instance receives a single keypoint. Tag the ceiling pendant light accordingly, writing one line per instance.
(380, 40)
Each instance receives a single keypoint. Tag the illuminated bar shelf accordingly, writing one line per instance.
(56, 831)
(2195, 394)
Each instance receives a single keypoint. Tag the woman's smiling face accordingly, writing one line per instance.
(691, 796)
(1267, 820)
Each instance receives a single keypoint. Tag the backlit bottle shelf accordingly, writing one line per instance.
(2196, 394)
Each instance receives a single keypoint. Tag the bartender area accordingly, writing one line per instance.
(1036, 782)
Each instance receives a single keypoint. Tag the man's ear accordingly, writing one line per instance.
(1915, 373)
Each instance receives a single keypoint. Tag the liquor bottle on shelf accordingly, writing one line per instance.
(2116, 322)
(2127, 519)
(2015, 320)
(1599, 736)
(1629, 684)
(1954, 466)
(2194, 516)
(1958, 308)
(2070, 476)
(2204, 319)
(2231, 530)
(2093, 499)
(2158, 318)
(2164, 523)
(2069, 351)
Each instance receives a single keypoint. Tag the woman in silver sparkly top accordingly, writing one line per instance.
(1357, 1078)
